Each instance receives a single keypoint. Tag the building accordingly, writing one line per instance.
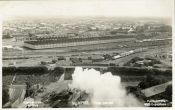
(66, 42)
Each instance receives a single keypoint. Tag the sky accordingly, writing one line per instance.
(120, 8)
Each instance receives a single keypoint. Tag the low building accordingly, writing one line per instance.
(87, 61)
(67, 42)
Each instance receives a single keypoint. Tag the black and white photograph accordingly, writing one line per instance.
(86, 53)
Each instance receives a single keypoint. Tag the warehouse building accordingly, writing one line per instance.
(66, 42)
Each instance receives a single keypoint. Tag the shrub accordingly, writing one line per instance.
(32, 70)
(24, 70)
(152, 80)
(8, 70)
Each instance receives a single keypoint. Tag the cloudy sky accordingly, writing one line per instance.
(122, 8)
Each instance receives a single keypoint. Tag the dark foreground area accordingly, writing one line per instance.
(134, 80)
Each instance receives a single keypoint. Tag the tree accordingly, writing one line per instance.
(43, 63)
(152, 80)
(30, 34)
(7, 35)
(54, 61)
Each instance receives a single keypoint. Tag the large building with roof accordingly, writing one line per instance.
(55, 42)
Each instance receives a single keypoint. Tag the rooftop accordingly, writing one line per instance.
(56, 40)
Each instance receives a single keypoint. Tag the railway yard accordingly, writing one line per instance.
(148, 48)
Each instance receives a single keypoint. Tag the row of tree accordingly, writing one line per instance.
(129, 71)
(24, 70)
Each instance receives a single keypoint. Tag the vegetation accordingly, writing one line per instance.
(43, 63)
(146, 62)
(24, 70)
(130, 71)
(152, 80)
(6, 36)
(61, 58)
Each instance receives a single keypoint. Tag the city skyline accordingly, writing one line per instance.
(107, 8)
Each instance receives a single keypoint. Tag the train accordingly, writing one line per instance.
(129, 53)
